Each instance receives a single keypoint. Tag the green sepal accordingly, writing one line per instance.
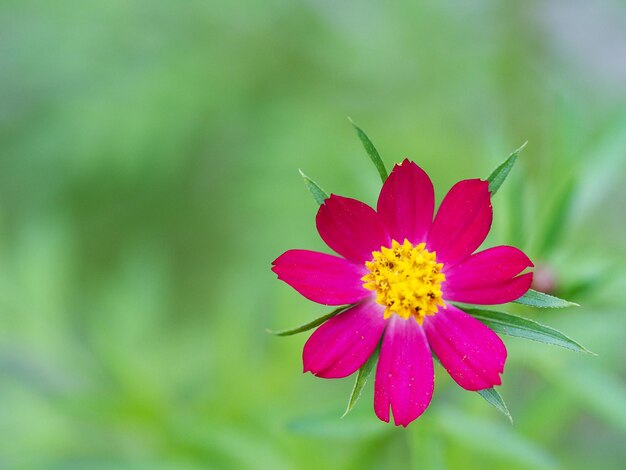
(310, 325)
(497, 177)
(512, 325)
(492, 397)
(538, 299)
(371, 151)
(361, 380)
(316, 191)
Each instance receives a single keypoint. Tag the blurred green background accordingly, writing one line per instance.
(148, 176)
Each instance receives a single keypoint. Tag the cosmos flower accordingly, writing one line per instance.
(399, 269)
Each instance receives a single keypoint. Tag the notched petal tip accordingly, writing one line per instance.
(275, 268)
(320, 277)
(525, 280)
(483, 186)
(404, 163)
(473, 354)
(306, 369)
(496, 381)
(406, 202)
(462, 222)
(408, 161)
(528, 263)
(404, 375)
(331, 199)
(489, 277)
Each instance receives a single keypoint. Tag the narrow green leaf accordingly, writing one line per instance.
(361, 380)
(371, 151)
(538, 299)
(492, 397)
(556, 221)
(513, 325)
(318, 193)
(308, 326)
(497, 177)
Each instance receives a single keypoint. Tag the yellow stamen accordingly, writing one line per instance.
(407, 280)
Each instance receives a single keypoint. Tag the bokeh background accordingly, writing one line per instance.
(149, 156)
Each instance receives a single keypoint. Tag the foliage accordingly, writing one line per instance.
(146, 167)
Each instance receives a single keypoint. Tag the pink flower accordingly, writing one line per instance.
(400, 269)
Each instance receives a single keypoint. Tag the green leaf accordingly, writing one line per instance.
(538, 299)
(361, 380)
(318, 193)
(555, 224)
(308, 326)
(492, 397)
(513, 325)
(497, 177)
(371, 151)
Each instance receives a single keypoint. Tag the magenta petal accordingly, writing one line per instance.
(351, 228)
(342, 345)
(488, 278)
(498, 293)
(462, 221)
(322, 278)
(404, 377)
(406, 203)
(473, 355)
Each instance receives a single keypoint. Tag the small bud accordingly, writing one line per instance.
(544, 279)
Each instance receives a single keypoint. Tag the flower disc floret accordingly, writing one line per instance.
(407, 280)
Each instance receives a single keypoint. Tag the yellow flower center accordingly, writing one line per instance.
(407, 280)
